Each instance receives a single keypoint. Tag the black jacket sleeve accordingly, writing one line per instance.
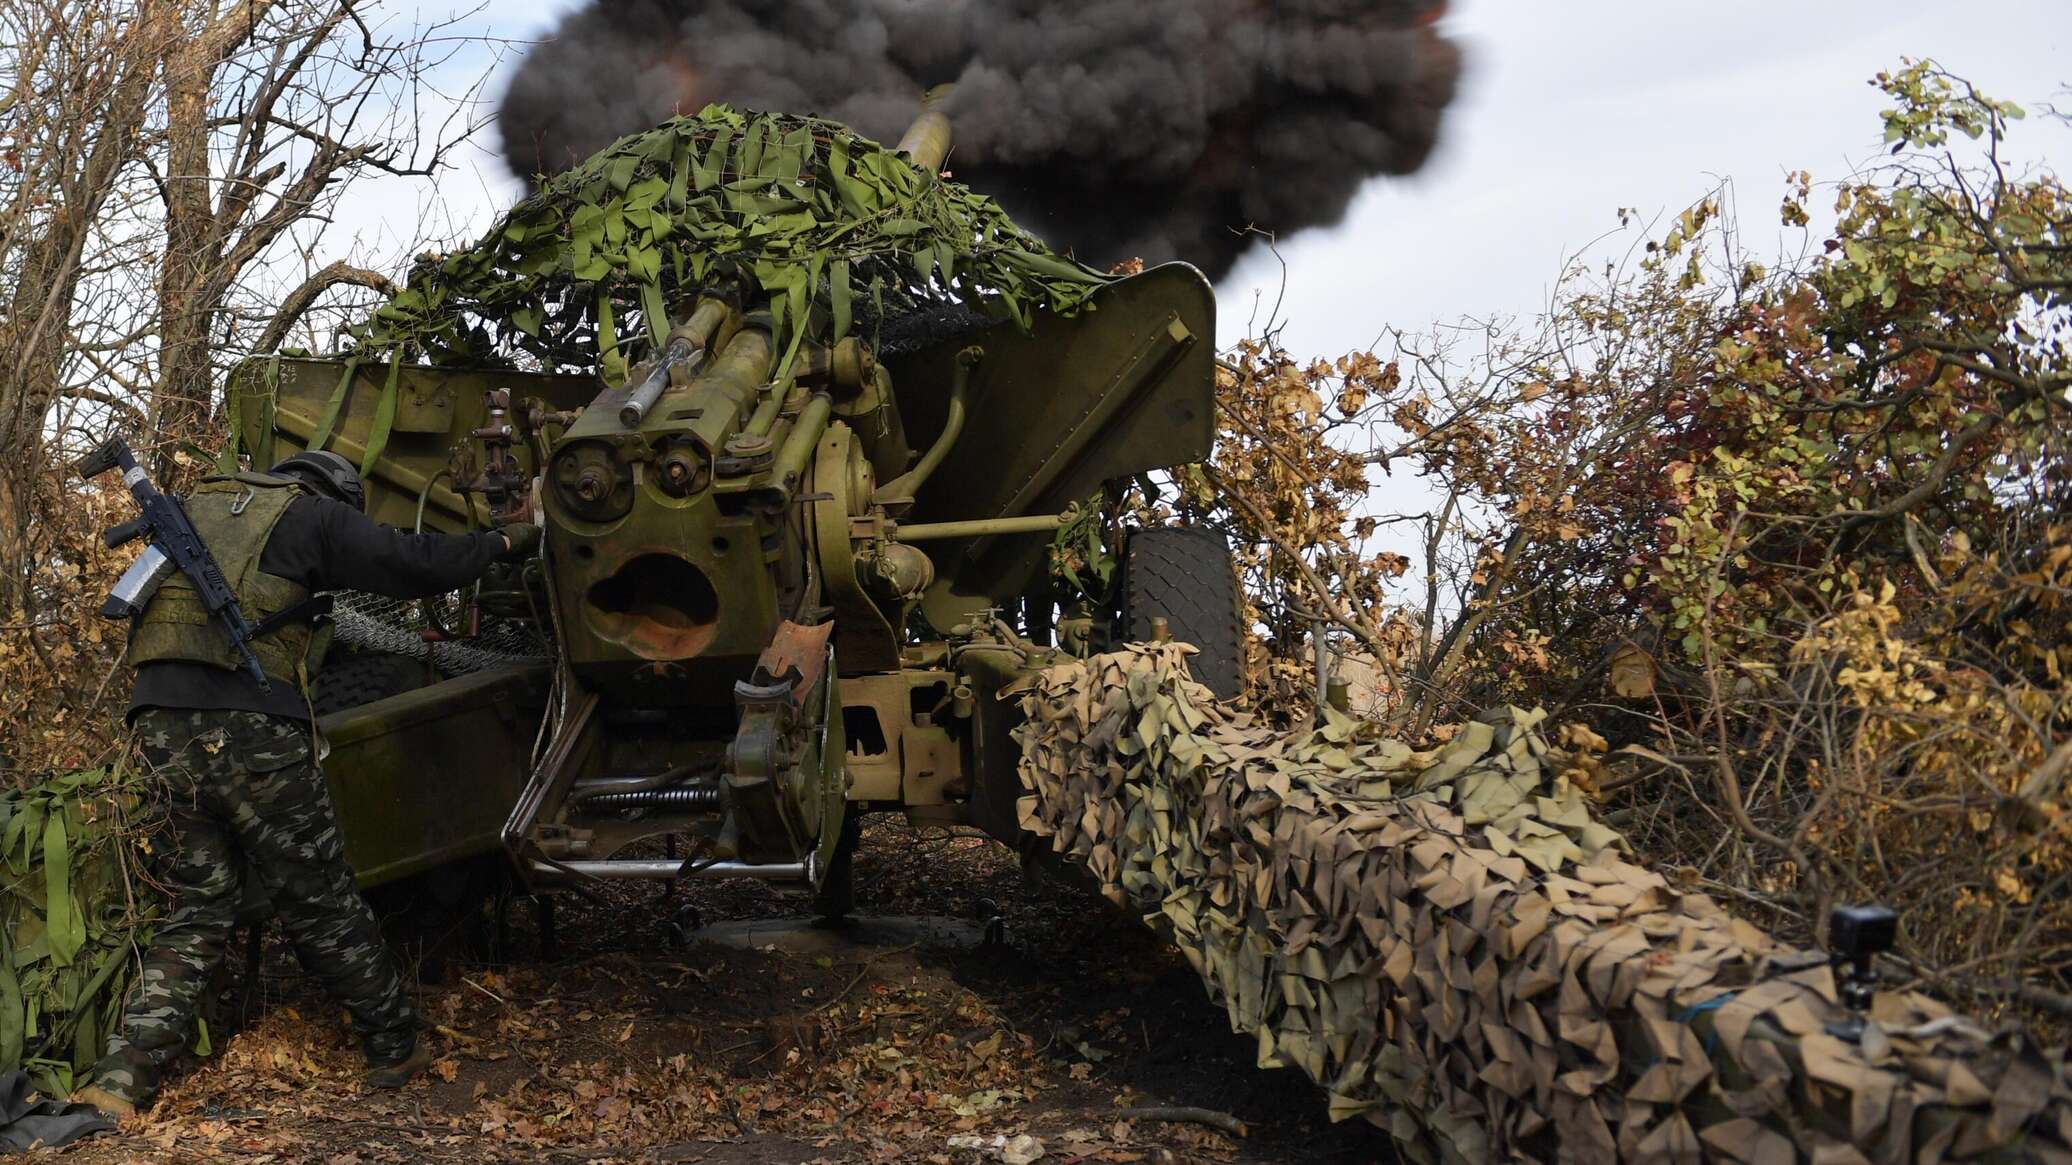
(327, 545)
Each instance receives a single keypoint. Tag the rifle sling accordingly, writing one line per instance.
(308, 609)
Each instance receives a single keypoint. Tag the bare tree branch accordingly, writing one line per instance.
(300, 300)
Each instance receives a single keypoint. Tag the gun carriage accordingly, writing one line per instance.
(778, 589)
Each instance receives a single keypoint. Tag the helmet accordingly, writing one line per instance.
(328, 474)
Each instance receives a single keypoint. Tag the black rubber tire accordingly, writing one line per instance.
(1185, 574)
(350, 679)
(440, 918)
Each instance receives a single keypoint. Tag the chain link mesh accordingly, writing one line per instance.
(399, 626)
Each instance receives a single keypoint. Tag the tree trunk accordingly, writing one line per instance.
(96, 116)
(187, 299)
(196, 272)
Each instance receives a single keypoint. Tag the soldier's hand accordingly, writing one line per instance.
(521, 541)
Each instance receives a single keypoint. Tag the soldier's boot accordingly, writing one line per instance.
(113, 1107)
(396, 1073)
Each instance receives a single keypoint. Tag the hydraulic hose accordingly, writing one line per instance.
(908, 484)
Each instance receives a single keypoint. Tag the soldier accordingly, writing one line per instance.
(234, 777)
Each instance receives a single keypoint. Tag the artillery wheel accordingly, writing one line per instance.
(439, 918)
(1184, 575)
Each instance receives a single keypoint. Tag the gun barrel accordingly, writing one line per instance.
(657, 382)
(927, 141)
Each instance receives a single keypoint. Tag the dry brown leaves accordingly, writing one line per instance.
(871, 1060)
(58, 684)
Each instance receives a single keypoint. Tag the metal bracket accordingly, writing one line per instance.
(548, 780)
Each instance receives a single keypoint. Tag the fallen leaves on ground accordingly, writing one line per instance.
(723, 1055)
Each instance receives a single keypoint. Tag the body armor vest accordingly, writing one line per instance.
(235, 515)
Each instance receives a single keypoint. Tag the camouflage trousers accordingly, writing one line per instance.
(238, 790)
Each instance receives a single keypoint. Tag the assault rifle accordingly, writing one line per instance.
(174, 545)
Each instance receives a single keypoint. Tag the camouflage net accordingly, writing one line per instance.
(829, 226)
(826, 224)
(72, 920)
(1451, 946)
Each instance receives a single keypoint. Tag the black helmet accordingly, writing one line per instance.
(327, 473)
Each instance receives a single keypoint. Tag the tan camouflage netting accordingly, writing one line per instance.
(1452, 946)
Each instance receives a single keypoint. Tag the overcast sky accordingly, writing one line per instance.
(1568, 111)
(1572, 110)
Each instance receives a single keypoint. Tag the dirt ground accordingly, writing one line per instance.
(626, 1045)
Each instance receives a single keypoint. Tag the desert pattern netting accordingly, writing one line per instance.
(1452, 946)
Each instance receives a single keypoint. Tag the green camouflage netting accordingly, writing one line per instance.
(72, 921)
(1454, 948)
(836, 231)
(826, 224)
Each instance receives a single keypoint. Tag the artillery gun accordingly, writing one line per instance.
(792, 569)
(778, 590)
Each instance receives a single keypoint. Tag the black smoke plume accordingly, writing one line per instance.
(1114, 129)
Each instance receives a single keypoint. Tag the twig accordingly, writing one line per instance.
(484, 990)
(1186, 1116)
(1751, 897)
(2043, 998)
(2057, 1003)
(2049, 776)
